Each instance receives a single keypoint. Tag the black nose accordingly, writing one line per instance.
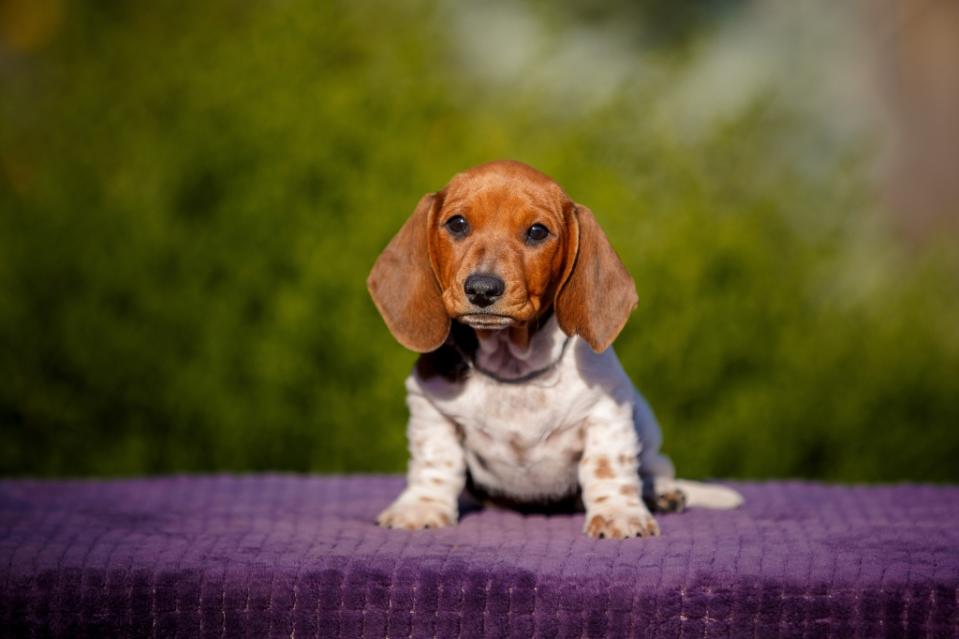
(482, 290)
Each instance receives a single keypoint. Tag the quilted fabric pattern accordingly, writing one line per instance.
(295, 556)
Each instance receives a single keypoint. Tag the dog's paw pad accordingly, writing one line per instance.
(614, 524)
(416, 516)
(671, 501)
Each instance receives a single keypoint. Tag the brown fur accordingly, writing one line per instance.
(595, 526)
(598, 294)
(404, 288)
(629, 491)
(603, 469)
(417, 282)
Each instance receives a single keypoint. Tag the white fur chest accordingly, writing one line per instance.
(525, 440)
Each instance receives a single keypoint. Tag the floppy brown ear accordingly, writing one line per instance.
(404, 287)
(598, 294)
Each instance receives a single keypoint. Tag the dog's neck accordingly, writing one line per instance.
(502, 355)
(498, 354)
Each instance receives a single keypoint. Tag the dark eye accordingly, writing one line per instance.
(536, 234)
(458, 226)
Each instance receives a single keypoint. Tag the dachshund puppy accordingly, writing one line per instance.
(513, 295)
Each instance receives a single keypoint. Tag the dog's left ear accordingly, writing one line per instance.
(404, 287)
(596, 294)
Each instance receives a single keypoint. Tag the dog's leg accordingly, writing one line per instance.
(655, 469)
(609, 479)
(666, 494)
(436, 473)
(662, 495)
(660, 491)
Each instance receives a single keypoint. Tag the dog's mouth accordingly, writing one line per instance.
(489, 321)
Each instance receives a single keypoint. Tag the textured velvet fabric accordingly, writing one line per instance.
(293, 556)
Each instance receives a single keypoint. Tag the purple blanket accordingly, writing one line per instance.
(293, 556)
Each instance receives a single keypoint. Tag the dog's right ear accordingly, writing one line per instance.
(404, 287)
(598, 294)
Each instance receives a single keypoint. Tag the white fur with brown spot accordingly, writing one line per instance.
(581, 424)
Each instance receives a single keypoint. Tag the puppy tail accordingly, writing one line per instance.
(702, 495)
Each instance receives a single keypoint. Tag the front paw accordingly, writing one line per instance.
(416, 514)
(620, 523)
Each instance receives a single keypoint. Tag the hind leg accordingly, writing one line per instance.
(660, 491)
(663, 496)
(656, 470)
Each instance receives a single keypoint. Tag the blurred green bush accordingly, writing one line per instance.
(192, 195)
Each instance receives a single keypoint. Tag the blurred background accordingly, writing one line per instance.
(192, 194)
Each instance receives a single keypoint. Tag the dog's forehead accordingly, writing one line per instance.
(504, 182)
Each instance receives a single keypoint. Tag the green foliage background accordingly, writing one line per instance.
(192, 195)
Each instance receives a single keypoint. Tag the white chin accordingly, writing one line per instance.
(487, 321)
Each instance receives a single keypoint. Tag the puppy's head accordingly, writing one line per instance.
(497, 248)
